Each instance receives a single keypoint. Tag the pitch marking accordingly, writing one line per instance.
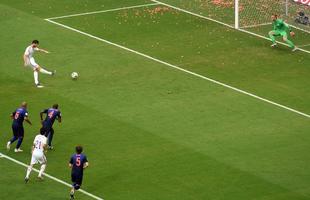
(179, 68)
(49, 176)
(104, 11)
(219, 22)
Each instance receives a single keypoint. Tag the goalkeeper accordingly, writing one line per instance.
(280, 28)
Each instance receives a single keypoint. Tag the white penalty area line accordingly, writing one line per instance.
(104, 11)
(49, 176)
(180, 69)
(266, 38)
(304, 45)
(219, 22)
(298, 28)
(256, 25)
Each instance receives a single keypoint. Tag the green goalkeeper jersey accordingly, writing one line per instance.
(280, 25)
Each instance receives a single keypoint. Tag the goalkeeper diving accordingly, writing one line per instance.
(280, 28)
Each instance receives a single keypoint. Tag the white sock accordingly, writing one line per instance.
(42, 169)
(45, 71)
(36, 77)
(28, 171)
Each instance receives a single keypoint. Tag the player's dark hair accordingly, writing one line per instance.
(275, 15)
(55, 106)
(79, 149)
(35, 42)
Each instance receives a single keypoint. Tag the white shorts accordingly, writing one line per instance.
(32, 63)
(38, 157)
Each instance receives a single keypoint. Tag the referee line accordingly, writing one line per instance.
(49, 176)
(180, 69)
(104, 11)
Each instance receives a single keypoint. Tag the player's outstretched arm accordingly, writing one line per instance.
(43, 50)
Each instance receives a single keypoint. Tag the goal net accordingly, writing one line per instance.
(254, 13)
(253, 16)
(251, 13)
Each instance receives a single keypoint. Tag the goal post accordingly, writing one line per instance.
(251, 16)
(236, 14)
(286, 8)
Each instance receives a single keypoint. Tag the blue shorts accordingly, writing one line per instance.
(76, 180)
(46, 130)
(18, 130)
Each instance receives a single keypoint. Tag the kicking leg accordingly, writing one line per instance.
(44, 71)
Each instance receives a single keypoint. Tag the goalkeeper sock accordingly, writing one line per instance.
(273, 39)
(290, 43)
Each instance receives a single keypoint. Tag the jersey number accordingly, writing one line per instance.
(38, 144)
(50, 115)
(78, 161)
(16, 115)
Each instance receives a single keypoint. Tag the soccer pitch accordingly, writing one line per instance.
(168, 105)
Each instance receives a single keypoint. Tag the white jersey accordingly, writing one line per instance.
(39, 142)
(30, 51)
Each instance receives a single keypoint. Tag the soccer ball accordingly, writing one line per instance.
(74, 75)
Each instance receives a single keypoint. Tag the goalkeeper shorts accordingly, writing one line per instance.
(279, 33)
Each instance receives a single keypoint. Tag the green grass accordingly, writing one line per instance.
(195, 44)
(150, 131)
(34, 189)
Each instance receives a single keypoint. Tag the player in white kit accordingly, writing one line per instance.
(38, 149)
(30, 61)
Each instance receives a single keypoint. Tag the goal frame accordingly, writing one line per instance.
(237, 21)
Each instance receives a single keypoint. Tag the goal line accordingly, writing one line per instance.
(225, 24)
